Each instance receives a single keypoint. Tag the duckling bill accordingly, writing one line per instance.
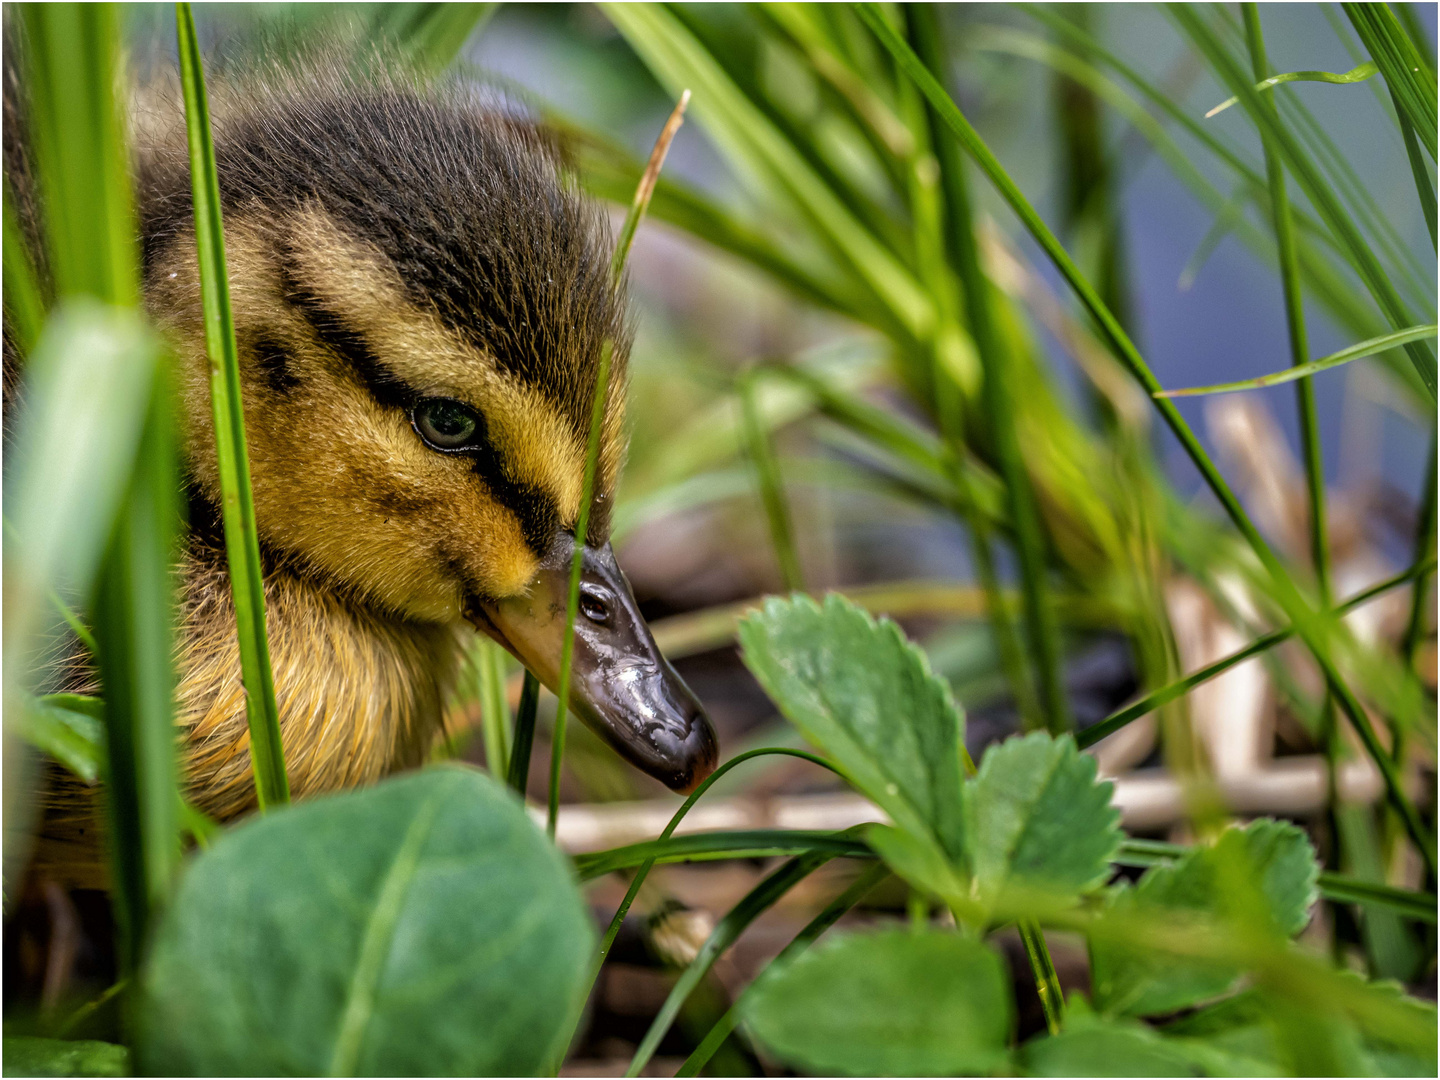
(421, 297)
(623, 688)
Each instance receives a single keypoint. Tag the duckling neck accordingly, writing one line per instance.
(360, 693)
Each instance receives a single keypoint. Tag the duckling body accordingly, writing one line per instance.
(421, 299)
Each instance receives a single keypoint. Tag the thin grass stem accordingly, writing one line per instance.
(772, 488)
(1352, 242)
(598, 409)
(1170, 692)
(961, 248)
(828, 917)
(519, 772)
(242, 543)
(721, 938)
(494, 710)
(1424, 189)
(1424, 546)
(1303, 371)
(644, 871)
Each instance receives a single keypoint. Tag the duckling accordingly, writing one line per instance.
(421, 297)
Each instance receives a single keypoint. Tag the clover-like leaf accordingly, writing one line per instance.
(1039, 826)
(422, 927)
(894, 1003)
(1265, 872)
(866, 696)
(26, 1056)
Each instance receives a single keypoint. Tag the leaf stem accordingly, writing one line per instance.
(1047, 982)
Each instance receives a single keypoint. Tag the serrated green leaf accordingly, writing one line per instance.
(866, 696)
(1038, 823)
(1274, 858)
(895, 1003)
(25, 1056)
(421, 927)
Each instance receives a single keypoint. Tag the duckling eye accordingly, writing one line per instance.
(445, 424)
(593, 605)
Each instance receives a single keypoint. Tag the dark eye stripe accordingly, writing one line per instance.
(349, 344)
(539, 518)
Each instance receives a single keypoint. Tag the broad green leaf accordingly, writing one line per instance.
(866, 696)
(895, 1003)
(421, 927)
(1274, 859)
(1106, 1048)
(1038, 823)
(26, 1056)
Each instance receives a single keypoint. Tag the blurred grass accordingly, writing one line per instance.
(130, 509)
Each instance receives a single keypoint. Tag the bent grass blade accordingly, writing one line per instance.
(1358, 351)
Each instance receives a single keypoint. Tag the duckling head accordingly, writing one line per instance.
(421, 299)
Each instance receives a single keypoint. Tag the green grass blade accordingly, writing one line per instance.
(1319, 193)
(519, 775)
(1327, 284)
(1424, 189)
(242, 544)
(489, 659)
(1355, 75)
(763, 896)
(431, 36)
(1424, 555)
(740, 844)
(678, 60)
(997, 393)
(134, 610)
(24, 304)
(1168, 693)
(77, 136)
(72, 59)
(1315, 632)
(1410, 78)
(88, 385)
(828, 917)
(640, 875)
(1294, 324)
(771, 487)
(1358, 351)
